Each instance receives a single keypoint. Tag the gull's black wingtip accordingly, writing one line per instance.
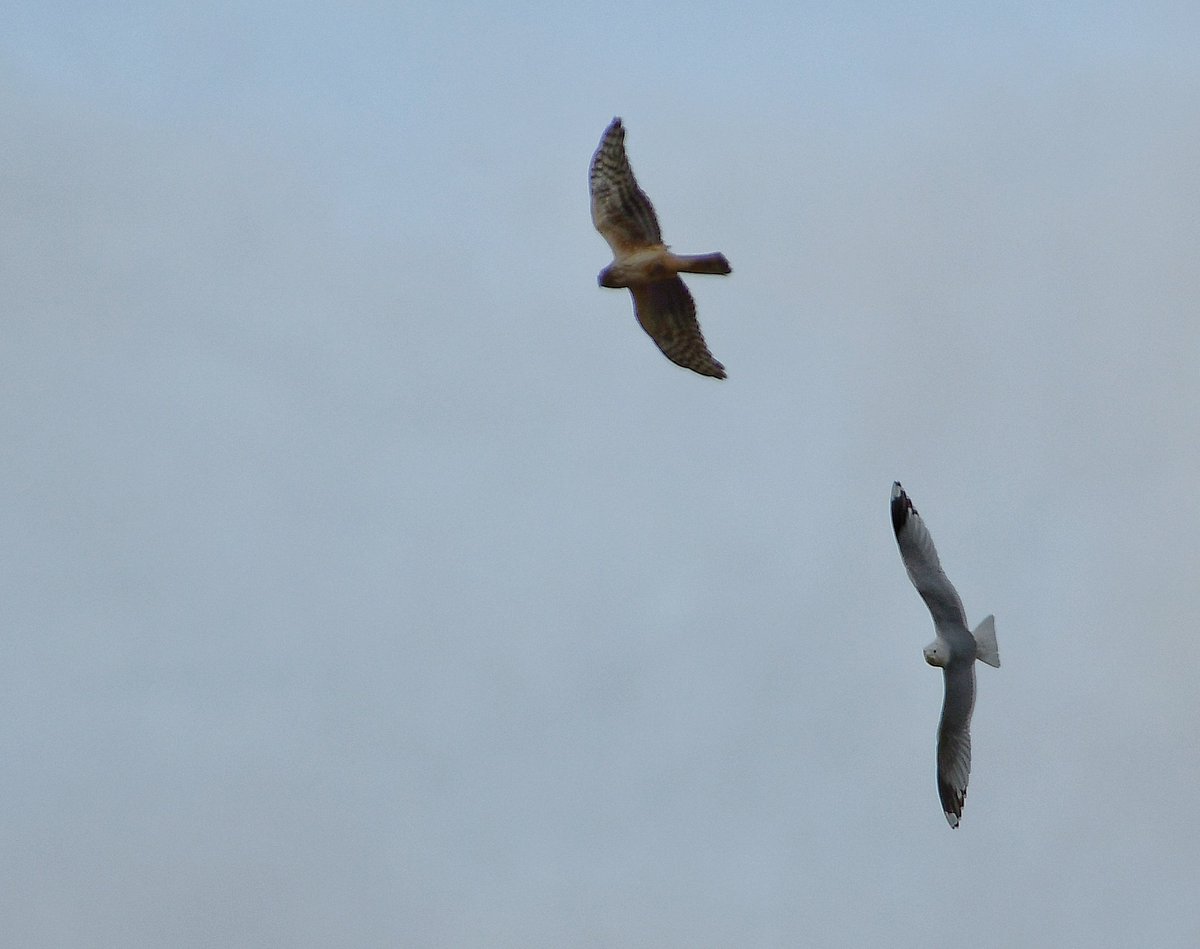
(901, 505)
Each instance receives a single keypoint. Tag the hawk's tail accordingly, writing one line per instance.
(703, 263)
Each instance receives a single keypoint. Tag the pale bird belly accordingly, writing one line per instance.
(648, 266)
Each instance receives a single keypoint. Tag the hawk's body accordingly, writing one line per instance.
(642, 262)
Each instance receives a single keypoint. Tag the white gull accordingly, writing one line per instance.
(955, 650)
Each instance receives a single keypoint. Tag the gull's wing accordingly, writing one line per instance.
(921, 561)
(954, 739)
(621, 211)
(667, 313)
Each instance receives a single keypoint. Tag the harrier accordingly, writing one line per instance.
(955, 649)
(642, 262)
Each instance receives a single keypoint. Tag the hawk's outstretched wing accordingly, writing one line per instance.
(668, 315)
(621, 211)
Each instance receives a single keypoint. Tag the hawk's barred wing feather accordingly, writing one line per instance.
(621, 211)
(668, 315)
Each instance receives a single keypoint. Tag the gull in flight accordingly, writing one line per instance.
(954, 649)
(642, 262)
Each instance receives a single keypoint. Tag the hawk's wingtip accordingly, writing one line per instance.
(712, 369)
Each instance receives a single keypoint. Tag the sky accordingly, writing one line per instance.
(370, 579)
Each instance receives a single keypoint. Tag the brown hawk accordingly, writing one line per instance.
(642, 262)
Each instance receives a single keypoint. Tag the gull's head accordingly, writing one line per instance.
(937, 653)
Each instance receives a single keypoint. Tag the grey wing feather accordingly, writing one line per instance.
(954, 739)
(922, 564)
(621, 211)
(667, 313)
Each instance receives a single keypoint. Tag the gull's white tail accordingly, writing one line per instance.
(986, 649)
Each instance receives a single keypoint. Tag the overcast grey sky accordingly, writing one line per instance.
(370, 579)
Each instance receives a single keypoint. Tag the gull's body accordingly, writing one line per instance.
(954, 649)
